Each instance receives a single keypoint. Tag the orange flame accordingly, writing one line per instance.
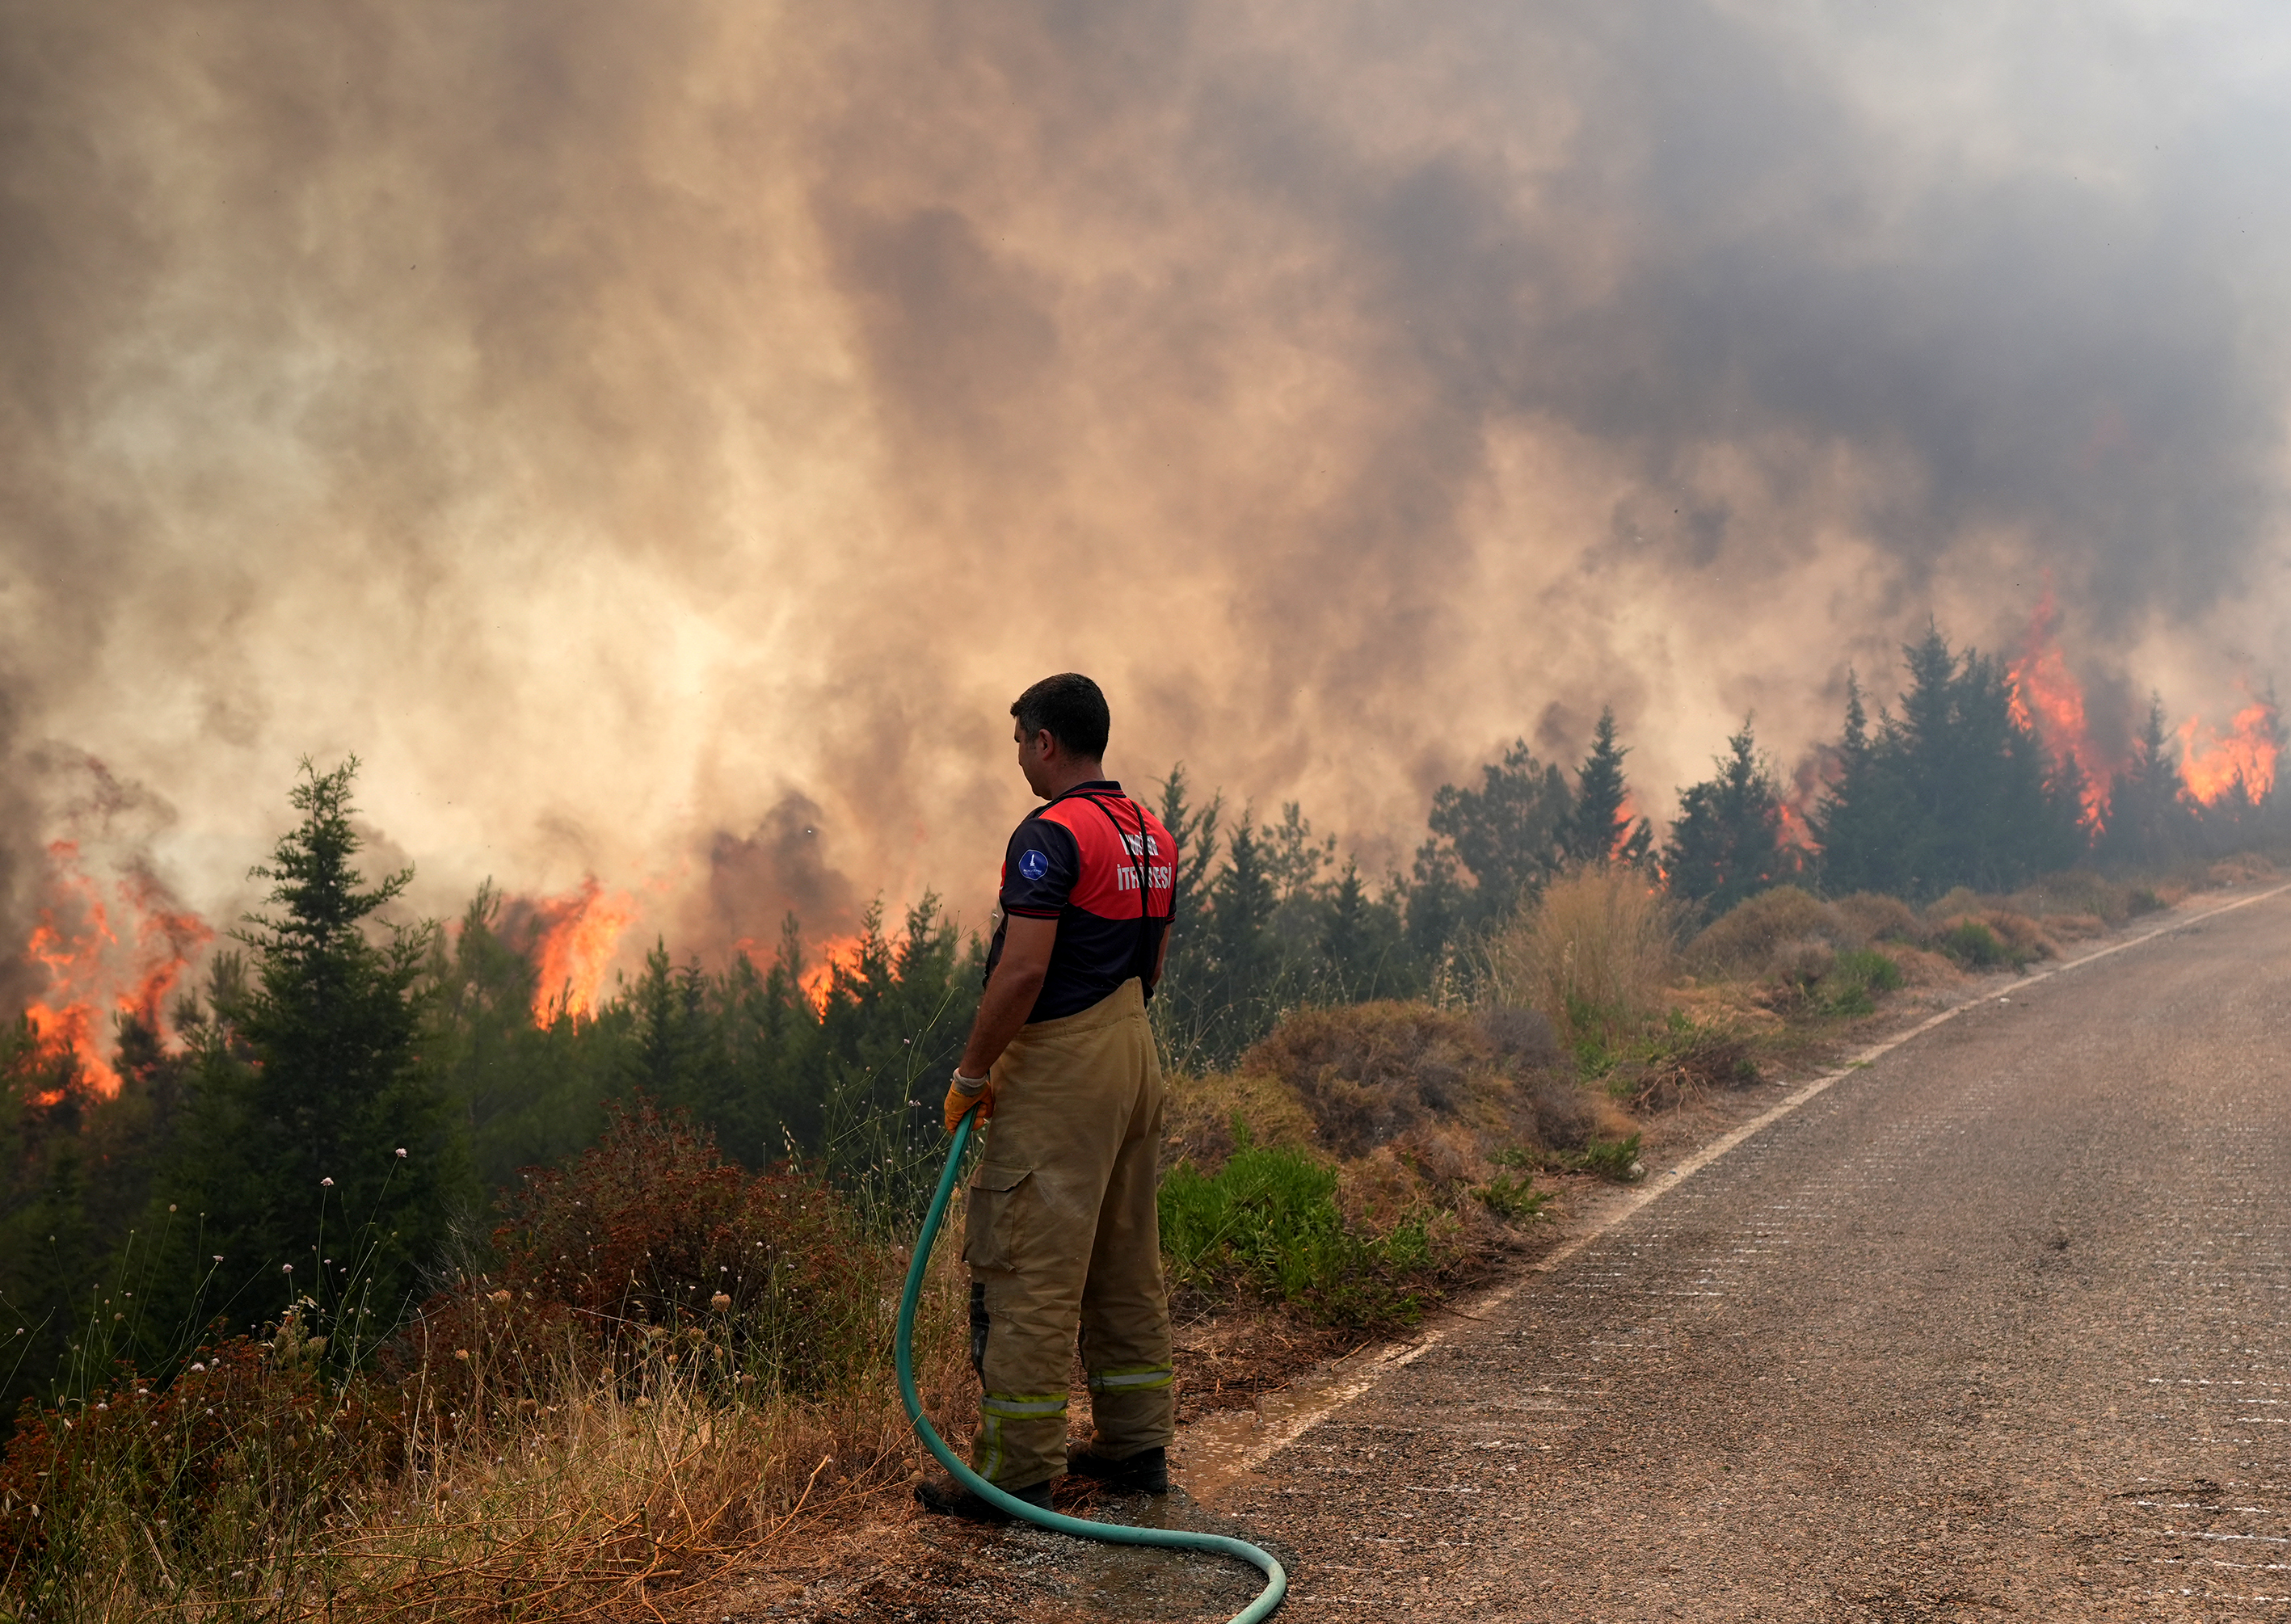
(838, 954)
(578, 934)
(2212, 765)
(74, 942)
(1802, 797)
(2049, 702)
(1626, 819)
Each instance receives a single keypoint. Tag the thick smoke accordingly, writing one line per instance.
(630, 428)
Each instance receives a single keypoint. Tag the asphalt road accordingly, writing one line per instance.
(1994, 1327)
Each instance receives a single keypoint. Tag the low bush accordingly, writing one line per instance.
(1204, 1108)
(1370, 1075)
(1684, 1064)
(1971, 942)
(1592, 952)
(1512, 1197)
(1855, 978)
(1746, 939)
(1872, 916)
(1268, 1221)
(652, 1231)
(1370, 1072)
(1617, 1160)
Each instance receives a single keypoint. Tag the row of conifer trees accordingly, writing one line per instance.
(347, 1097)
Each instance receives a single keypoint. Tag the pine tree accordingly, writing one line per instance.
(1846, 819)
(1726, 844)
(1194, 829)
(2148, 823)
(1435, 901)
(1599, 829)
(1954, 790)
(1362, 946)
(1243, 957)
(1510, 831)
(317, 1145)
(1293, 858)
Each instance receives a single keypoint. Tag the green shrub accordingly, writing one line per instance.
(1974, 945)
(1512, 1198)
(1268, 1221)
(1855, 979)
(1612, 1159)
(1685, 1061)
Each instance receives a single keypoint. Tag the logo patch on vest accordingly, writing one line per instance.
(1033, 865)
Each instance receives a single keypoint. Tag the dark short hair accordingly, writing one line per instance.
(1070, 708)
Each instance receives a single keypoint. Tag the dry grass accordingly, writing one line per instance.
(1202, 1111)
(2242, 868)
(1766, 933)
(1594, 952)
(586, 1493)
(622, 1492)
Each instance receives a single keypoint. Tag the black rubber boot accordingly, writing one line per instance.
(941, 1493)
(1146, 1472)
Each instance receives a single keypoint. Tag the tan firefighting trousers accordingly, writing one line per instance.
(1061, 1234)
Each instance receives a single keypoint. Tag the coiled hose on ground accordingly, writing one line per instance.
(1276, 1581)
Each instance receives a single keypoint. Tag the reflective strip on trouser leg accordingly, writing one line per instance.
(1132, 1378)
(996, 1409)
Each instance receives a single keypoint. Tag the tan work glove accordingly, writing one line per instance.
(960, 1099)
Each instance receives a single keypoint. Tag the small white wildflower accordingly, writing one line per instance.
(285, 1268)
(401, 1153)
(326, 1184)
(198, 1367)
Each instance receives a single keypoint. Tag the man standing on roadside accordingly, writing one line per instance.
(1061, 1232)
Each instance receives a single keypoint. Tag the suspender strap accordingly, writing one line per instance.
(1143, 868)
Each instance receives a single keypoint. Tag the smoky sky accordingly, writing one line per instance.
(627, 429)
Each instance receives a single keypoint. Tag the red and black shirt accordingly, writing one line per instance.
(1105, 869)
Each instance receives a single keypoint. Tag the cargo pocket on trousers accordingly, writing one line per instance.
(990, 1225)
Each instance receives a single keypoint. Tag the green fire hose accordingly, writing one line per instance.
(1276, 1581)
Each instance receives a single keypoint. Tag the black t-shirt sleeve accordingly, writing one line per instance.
(1040, 869)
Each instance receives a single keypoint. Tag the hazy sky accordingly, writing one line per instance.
(660, 440)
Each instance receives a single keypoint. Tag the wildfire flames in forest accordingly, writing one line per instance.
(2213, 764)
(1800, 802)
(93, 973)
(838, 953)
(115, 945)
(575, 937)
(2047, 698)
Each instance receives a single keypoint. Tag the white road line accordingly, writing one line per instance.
(1658, 1186)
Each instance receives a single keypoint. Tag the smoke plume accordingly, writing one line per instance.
(660, 440)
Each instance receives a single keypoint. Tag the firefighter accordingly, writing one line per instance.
(1060, 1231)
